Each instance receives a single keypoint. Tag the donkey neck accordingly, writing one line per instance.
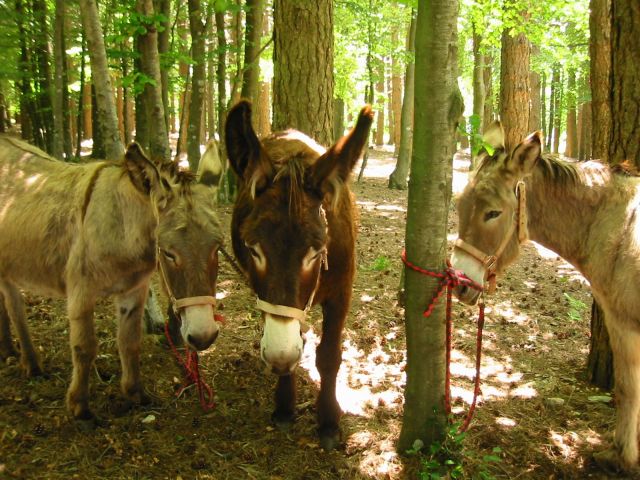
(563, 203)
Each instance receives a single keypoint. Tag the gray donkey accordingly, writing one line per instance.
(95, 230)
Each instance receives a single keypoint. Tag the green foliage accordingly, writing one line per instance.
(576, 308)
(380, 264)
(445, 459)
(475, 137)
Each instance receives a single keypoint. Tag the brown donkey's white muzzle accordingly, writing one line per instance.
(199, 328)
(281, 344)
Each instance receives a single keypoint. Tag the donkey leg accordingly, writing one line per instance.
(15, 310)
(6, 344)
(84, 346)
(626, 360)
(328, 360)
(284, 414)
(130, 309)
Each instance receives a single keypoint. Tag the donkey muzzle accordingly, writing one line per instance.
(199, 329)
(281, 344)
(474, 269)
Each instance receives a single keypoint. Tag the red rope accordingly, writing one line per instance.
(449, 279)
(192, 371)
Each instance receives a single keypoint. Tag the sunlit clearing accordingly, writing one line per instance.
(364, 380)
(377, 167)
(565, 269)
(366, 298)
(544, 252)
(506, 422)
(381, 206)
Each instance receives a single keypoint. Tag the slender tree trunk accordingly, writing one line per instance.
(98, 146)
(27, 110)
(253, 34)
(81, 104)
(105, 101)
(543, 100)
(489, 95)
(164, 7)
(197, 28)
(303, 67)
(534, 113)
(338, 119)
(380, 94)
(514, 87)
(236, 39)
(150, 63)
(478, 83)
(61, 98)
(396, 98)
(221, 74)
(211, 76)
(571, 149)
(588, 130)
(126, 100)
(555, 81)
(438, 107)
(398, 178)
(264, 112)
(557, 119)
(87, 133)
(142, 114)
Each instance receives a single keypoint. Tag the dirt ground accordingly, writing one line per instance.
(535, 403)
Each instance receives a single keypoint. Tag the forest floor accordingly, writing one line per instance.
(537, 414)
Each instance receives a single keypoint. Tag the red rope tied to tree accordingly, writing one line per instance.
(192, 371)
(449, 279)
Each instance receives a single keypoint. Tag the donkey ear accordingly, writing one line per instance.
(142, 172)
(494, 135)
(525, 155)
(339, 160)
(246, 156)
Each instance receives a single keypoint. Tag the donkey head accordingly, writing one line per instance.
(280, 232)
(189, 236)
(491, 210)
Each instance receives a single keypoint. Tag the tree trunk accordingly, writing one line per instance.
(438, 107)
(52, 136)
(338, 119)
(303, 80)
(61, 115)
(105, 101)
(557, 110)
(478, 84)
(211, 75)
(543, 101)
(98, 147)
(398, 178)
(253, 35)
(221, 74)
(380, 94)
(588, 130)
(555, 80)
(600, 54)
(81, 104)
(488, 92)
(236, 41)
(164, 7)
(514, 87)
(150, 63)
(264, 110)
(571, 149)
(142, 116)
(27, 108)
(534, 112)
(396, 98)
(87, 133)
(197, 83)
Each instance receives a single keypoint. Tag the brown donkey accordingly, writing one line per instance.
(293, 232)
(91, 231)
(586, 213)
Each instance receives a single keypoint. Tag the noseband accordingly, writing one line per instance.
(178, 304)
(490, 262)
(292, 312)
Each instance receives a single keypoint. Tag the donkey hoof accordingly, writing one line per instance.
(139, 397)
(329, 438)
(32, 370)
(283, 421)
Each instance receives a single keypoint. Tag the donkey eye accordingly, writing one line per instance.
(169, 256)
(491, 214)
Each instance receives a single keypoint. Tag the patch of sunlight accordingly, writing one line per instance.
(391, 208)
(452, 237)
(566, 443)
(361, 378)
(506, 422)
(380, 207)
(505, 377)
(220, 294)
(592, 438)
(366, 298)
(377, 167)
(525, 391)
(530, 284)
(544, 252)
(507, 312)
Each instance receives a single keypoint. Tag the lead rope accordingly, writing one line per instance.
(449, 279)
(189, 362)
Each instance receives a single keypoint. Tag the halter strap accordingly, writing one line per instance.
(293, 312)
(490, 262)
(178, 304)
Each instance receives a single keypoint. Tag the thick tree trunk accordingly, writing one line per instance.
(514, 87)
(105, 101)
(253, 35)
(534, 113)
(303, 80)
(600, 54)
(398, 178)
(543, 101)
(150, 63)
(571, 148)
(197, 28)
(438, 107)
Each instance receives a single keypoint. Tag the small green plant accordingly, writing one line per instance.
(380, 264)
(576, 307)
(475, 137)
(444, 459)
